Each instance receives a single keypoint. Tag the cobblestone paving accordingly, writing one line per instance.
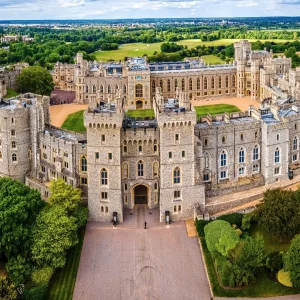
(133, 263)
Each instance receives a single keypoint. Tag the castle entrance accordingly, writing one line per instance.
(139, 104)
(140, 194)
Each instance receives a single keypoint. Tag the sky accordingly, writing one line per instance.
(118, 9)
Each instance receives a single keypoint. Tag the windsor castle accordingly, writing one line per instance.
(174, 161)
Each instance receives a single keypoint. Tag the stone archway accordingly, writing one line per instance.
(248, 93)
(140, 194)
(139, 104)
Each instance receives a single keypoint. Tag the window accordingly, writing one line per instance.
(66, 164)
(43, 169)
(13, 132)
(223, 140)
(277, 171)
(101, 89)
(206, 177)
(255, 168)
(241, 156)
(277, 155)
(179, 208)
(124, 89)
(106, 209)
(205, 83)
(220, 82)
(138, 91)
(223, 174)
(278, 137)
(198, 83)
(12, 120)
(153, 86)
(94, 89)
(86, 89)
(256, 134)
(206, 161)
(226, 82)
(295, 143)
(295, 157)
(161, 85)
(83, 180)
(140, 148)
(140, 168)
(104, 177)
(233, 81)
(190, 84)
(205, 142)
(14, 157)
(170, 155)
(176, 84)
(155, 186)
(183, 154)
(242, 137)
(97, 155)
(125, 186)
(176, 176)
(110, 156)
(241, 171)
(176, 137)
(83, 164)
(177, 194)
(13, 144)
(104, 196)
(183, 84)
(125, 149)
(212, 82)
(169, 85)
(102, 138)
(255, 153)
(125, 170)
(109, 89)
(155, 169)
(155, 146)
(295, 126)
(223, 158)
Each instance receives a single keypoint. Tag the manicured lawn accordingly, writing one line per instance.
(263, 287)
(215, 109)
(11, 93)
(63, 281)
(212, 59)
(143, 113)
(139, 49)
(74, 122)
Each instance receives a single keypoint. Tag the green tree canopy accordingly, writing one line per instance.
(292, 261)
(7, 289)
(19, 207)
(35, 80)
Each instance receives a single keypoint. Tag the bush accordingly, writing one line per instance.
(200, 224)
(42, 276)
(284, 278)
(38, 292)
(233, 219)
(225, 271)
(19, 269)
(274, 261)
(247, 221)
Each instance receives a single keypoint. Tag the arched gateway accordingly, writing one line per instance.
(140, 194)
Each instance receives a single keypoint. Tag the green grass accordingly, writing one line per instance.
(11, 93)
(74, 122)
(143, 113)
(263, 287)
(212, 59)
(63, 281)
(270, 244)
(139, 49)
(215, 109)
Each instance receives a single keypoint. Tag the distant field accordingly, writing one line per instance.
(215, 109)
(74, 122)
(143, 113)
(212, 59)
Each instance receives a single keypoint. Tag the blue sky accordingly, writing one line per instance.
(113, 9)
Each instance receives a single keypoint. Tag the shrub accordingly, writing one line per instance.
(38, 292)
(233, 219)
(200, 224)
(247, 220)
(19, 269)
(42, 276)
(274, 261)
(225, 271)
(284, 278)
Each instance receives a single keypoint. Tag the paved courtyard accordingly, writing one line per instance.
(133, 263)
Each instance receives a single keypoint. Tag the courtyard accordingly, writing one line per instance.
(134, 263)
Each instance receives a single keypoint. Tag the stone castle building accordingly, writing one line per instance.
(173, 162)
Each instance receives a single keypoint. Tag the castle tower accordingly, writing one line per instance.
(104, 164)
(79, 78)
(255, 77)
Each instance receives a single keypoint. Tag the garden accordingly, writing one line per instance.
(40, 242)
(255, 254)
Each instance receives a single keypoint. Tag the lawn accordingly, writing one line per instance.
(63, 281)
(139, 49)
(215, 109)
(11, 93)
(143, 113)
(212, 59)
(74, 122)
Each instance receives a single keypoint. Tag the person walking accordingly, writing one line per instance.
(145, 225)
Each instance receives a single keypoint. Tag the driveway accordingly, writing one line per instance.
(133, 263)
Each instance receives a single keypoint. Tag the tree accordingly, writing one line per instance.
(278, 214)
(53, 235)
(19, 269)
(19, 207)
(7, 289)
(292, 261)
(35, 80)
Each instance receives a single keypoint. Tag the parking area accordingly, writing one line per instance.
(134, 263)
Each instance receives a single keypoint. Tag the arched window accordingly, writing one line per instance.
(83, 164)
(14, 157)
(241, 156)
(104, 177)
(140, 168)
(169, 85)
(124, 89)
(227, 81)
(255, 153)
(138, 91)
(109, 89)
(205, 83)
(155, 146)
(212, 82)
(153, 86)
(206, 160)
(223, 139)
(176, 175)
(155, 169)
(198, 83)
(13, 144)
(94, 89)
(86, 88)
(125, 170)
(117, 88)
(223, 159)
(13, 132)
(183, 84)
(101, 89)
(190, 84)
(295, 143)
(277, 155)
(220, 82)
(125, 149)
